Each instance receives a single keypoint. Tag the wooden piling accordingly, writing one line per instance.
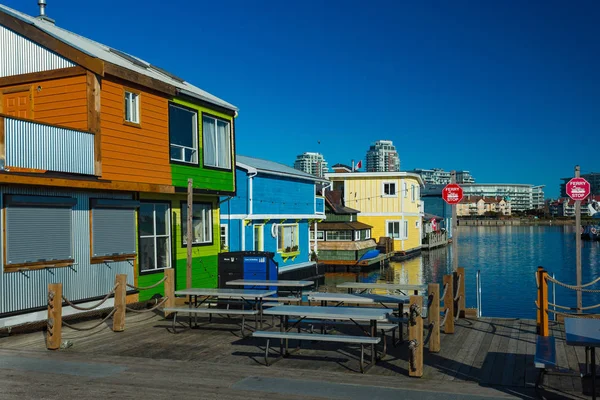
(169, 289)
(433, 317)
(461, 303)
(543, 329)
(415, 333)
(449, 304)
(120, 303)
(54, 324)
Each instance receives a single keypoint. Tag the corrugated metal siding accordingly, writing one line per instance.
(37, 146)
(113, 231)
(28, 289)
(22, 56)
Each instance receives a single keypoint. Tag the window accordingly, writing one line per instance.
(356, 235)
(132, 107)
(393, 229)
(183, 134)
(38, 231)
(368, 234)
(404, 189)
(224, 237)
(287, 238)
(155, 236)
(201, 223)
(339, 235)
(320, 235)
(405, 233)
(413, 193)
(113, 228)
(259, 238)
(217, 143)
(389, 189)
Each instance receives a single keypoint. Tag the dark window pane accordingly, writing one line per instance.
(146, 219)
(147, 261)
(162, 252)
(182, 126)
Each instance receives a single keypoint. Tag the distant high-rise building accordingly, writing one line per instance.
(593, 178)
(438, 176)
(383, 157)
(311, 163)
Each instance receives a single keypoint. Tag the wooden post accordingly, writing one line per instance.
(459, 280)
(415, 333)
(543, 303)
(578, 245)
(449, 304)
(54, 333)
(454, 228)
(120, 302)
(169, 289)
(538, 297)
(433, 317)
(190, 201)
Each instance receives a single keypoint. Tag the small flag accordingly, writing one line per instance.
(358, 166)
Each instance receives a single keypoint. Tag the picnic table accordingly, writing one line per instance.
(585, 332)
(296, 286)
(366, 298)
(363, 287)
(254, 298)
(352, 314)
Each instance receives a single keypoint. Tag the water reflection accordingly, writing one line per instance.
(507, 257)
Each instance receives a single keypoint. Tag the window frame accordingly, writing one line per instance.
(311, 235)
(226, 236)
(387, 228)
(405, 227)
(405, 189)
(349, 239)
(356, 236)
(138, 109)
(280, 227)
(196, 137)
(231, 144)
(169, 235)
(413, 193)
(183, 205)
(389, 184)
(368, 234)
(261, 230)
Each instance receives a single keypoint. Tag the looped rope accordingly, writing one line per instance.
(457, 295)
(446, 312)
(569, 315)
(445, 290)
(415, 311)
(574, 287)
(147, 287)
(149, 309)
(430, 328)
(412, 348)
(429, 302)
(91, 307)
(93, 327)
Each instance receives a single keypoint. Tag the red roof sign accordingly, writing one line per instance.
(578, 188)
(452, 193)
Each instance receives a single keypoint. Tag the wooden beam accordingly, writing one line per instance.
(140, 79)
(54, 323)
(42, 38)
(93, 111)
(32, 180)
(169, 289)
(41, 76)
(120, 301)
(415, 339)
(38, 265)
(449, 304)
(2, 142)
(433, 317)
(543, 329)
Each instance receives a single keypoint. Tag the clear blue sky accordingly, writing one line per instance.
(509, 90)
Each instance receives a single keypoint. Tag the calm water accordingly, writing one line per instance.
(507, 257)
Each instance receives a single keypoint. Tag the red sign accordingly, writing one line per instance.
(578, 188)
(452, 193)
(433, 224)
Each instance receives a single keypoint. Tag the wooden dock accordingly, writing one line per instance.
(492, 357)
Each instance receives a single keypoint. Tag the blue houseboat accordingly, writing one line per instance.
(272, 211)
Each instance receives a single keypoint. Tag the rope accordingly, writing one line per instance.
(149, 309)
(430, 327)
(537, 280)
(412, 348)
(415, 311)
(445, 290)
(573, 308)
(429, 302)
(147, 287)
(446, 312)
(457, 310)
(93, 327)
(457, 288)
(92, 307)
(573, 287)
(569, 315)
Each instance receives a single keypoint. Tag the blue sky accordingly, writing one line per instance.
(509, 90)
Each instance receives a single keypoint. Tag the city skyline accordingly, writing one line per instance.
(505, 90)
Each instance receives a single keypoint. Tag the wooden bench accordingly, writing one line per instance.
(362, 340)
(210, 311)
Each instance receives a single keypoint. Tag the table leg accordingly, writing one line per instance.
(286, 319)
(373, 334)
(587, 360)
(281, 330)
(593, 356)
(260, 312)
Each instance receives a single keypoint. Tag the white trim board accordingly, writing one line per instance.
(399, 215)
(271, 216)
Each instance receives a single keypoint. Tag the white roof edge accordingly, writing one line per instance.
(374, 175)
(248, 168)
(278, 173)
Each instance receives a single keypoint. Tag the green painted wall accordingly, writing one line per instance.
(204, 258)
(207, 179)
